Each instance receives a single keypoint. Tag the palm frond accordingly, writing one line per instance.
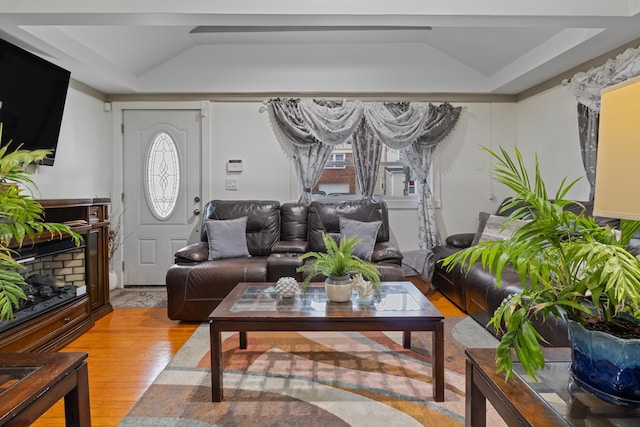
(562, 258)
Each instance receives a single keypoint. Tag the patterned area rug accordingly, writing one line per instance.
(314, 379)
(139, 297)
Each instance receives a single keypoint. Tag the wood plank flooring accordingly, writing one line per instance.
(127, 350)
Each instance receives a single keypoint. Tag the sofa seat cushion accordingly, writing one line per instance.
(483, 297)
(194, 290)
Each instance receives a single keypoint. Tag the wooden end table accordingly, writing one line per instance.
(255, 307)
(30, 383)
(555, 400)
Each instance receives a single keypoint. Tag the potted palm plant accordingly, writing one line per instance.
(20, 218)
(576, 269)
(337, 263)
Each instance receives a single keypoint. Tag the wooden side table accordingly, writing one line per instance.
(554, 400)
(30, 383)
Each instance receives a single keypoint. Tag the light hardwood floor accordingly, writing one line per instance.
(127, 350)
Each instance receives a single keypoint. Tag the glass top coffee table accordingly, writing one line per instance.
(256, 307)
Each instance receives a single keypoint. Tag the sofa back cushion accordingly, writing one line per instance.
(263, 221)
(324, 216)
(293, 221)
(575, 208)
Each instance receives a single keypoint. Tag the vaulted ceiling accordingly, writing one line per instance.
(200, 46)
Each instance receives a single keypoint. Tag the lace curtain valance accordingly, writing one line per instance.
(308, 129)
(586, 86)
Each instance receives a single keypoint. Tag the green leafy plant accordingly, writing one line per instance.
(21, 216)
(576, 268)
(338, 261)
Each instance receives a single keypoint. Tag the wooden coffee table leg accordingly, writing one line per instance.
(216, 362)
(243, 340)
(438, 362)
(406, 339)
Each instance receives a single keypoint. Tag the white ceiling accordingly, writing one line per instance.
(489, 46)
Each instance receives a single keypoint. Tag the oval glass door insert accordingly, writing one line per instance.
(162, 176)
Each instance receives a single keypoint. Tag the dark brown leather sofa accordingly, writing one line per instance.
(276, 236)
(476, 292)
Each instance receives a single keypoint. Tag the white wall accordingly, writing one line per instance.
(548, 126)
(82, 167)
(240, 131)
(545, 124)
(463, 182)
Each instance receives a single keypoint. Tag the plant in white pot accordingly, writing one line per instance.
(577, 269)
(21, 216)
(337, 264)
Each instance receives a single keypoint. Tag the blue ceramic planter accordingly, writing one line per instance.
(605, 365)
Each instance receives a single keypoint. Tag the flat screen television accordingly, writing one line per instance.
(33, 92)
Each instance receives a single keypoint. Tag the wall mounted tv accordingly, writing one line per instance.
(33, 92)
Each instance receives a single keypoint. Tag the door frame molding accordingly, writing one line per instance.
(117, 153)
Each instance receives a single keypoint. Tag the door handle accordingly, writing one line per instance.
(196, 212)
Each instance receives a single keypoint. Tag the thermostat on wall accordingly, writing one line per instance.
(234, 166)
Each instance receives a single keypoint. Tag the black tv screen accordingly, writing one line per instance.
(33, 92)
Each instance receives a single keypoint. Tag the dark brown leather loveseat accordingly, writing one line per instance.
(476, 292)
(276, 235)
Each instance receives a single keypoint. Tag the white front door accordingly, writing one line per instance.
(162, 152)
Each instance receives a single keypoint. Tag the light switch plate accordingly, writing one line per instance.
(232, 184)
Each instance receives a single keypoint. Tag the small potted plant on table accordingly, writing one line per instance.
(337, 264)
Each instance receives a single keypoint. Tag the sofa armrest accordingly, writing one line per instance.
(290, 246)
(196, 252)
(462, 240)
(383, 251)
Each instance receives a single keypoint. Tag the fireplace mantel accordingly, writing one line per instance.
(86, 268)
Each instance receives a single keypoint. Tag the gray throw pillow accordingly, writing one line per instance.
(366, 232)
(494, 228)
(227, 238)
(482, 220)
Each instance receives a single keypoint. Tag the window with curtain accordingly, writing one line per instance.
(395, 178)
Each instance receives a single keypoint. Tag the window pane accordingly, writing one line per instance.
(339, 176)
(162, 176)
(395, 178)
